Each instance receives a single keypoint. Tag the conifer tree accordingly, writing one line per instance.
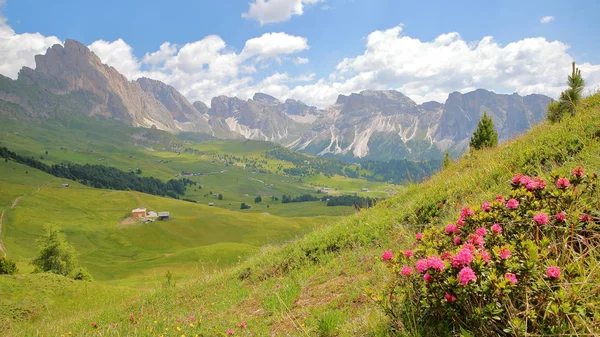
(568, 98)
(56, 254)
(447, 160)
(485, 135)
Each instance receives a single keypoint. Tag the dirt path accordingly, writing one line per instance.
(2, 249)
(16, 201)
(13, 205)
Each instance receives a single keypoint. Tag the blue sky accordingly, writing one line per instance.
(314, 39)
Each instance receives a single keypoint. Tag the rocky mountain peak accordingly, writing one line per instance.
(260, 97)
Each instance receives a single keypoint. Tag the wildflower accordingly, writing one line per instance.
(485, 206)
(512, 278)
(230, 332)
(278, 286)
(466, 275)
(457, 240)
(94, 325)
(427, 278)
(192, 325)
(512, 204)
(419, 236)
(436, 263)
(178, 329)
(242, 325)
(460, 222)
(466, 212)
(561, 216)
(132, 318)
(516, 178)
(387, 255)
(476, 240)
(553, 272)
(451, 228)
(585, 218)
(408, 253)
(563, 183)
(464, 257)
(485, 256)
(504, 253)
(445, 255)
(481, 231)
(578, 172)
(406, 271)
(421, 265)
(541, 218)
(496, 228)
(500, 198)
(450, 298)
(525, 180)
(541, 184)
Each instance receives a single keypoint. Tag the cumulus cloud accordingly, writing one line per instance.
(271, 45)
(547, 19)
(300, 60)
(19, 50)
(272, 11)
(117, 54)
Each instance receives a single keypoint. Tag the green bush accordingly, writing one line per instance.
(526, 263)
(56, 254)
(7, 266)
(82, 274)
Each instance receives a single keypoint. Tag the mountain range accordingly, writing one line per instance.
(379, 125)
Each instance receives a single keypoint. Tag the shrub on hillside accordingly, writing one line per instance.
(56, 254)
(524, 263)
(82, 274)
(7, 266)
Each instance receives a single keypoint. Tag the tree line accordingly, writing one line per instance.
(100, 176)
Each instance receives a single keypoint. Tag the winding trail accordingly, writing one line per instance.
(2, 249)
(13, 205)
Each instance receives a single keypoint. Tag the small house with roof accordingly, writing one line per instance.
(139, 213)
(164, 215)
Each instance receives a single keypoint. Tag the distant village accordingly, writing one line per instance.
(150, 216)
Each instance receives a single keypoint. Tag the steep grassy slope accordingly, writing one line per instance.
(325, 283)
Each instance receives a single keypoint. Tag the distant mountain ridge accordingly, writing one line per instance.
(378, 125)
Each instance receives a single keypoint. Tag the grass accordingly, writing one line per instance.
(329, 280)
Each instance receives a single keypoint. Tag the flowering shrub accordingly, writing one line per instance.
(524, 263)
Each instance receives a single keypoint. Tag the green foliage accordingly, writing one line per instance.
(7, 266)
(532, 259)
(82, 274)
(56, 254)
(485, 135)
(447, 160)
(258, 199)
(245, 206)
(568, 98)
(220, 197)
(328, 323)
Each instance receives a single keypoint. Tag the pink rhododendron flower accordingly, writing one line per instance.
(242, 325)
(512, 278)
(525, 180)
(578, 172)
(481, 231)
(421, 265)
(496, 228)
(461, 221)
(585, 218)
(450, 298)
(512, 204)
(408, 253)
(541, 218)
(541, 184)
(427, 278)
(230, 332)
(504, 253)
(553, 272)
(457, 240)
(387, 255)
(419, 236)
(486, 206)
(406, 270)
(464, 257)
(485, 256)
(466, 275)
(476, 240)
(563, 183)
(500, 198)
(466, 212)
(445, 255)
(435, 263)
(561, 216)
(451, 228)
(516, 178)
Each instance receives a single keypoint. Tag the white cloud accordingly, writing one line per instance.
(18, 50)
(547, 19)
(159, 57)
(272, 11)
(271, 45)
(300, 60)
(117, 54)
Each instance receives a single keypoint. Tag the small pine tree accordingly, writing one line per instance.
(8, 267)
(447, 160)
(569, 98)
(258, 199)
(485, 135)
(56, 254)
(220, 197)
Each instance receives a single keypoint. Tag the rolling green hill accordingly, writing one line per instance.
(325, 283)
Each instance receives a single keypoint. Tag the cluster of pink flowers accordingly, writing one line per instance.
(450, 298)
(466, 275)
(230, 332)
(419, 236)
(578, 172)
(452, 229)
(504, 253)
(481, 231)
(512, 278)
(486, 206)
(387, 255)
(553, 272)
(500, 198)
(466, 212)
(432, 262)
(457, 240)
(476, 239)
(563, 183)
(463, 258)
(408, 253)
(496, 228)
(561, 216)
(585, 218)
(406, 270)
(529, 183)
(541, 218)
(512, 204)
